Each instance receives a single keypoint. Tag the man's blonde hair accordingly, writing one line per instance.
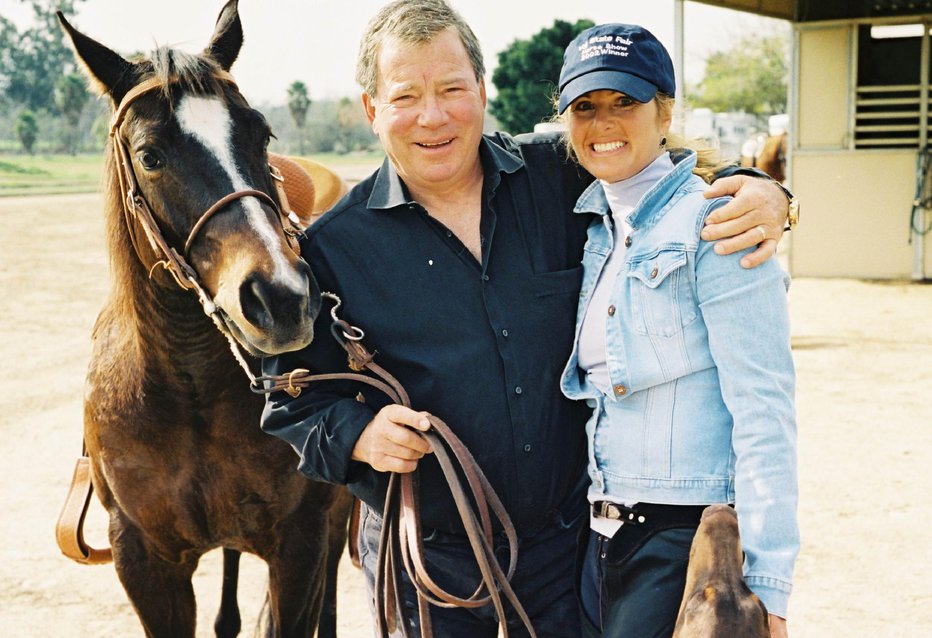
(412, 22)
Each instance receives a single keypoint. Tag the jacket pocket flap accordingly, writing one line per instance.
(653, 270)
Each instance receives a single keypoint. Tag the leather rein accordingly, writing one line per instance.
(401, 537)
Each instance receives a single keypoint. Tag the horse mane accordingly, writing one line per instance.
(180, 71)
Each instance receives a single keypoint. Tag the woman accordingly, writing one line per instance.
(684, 355)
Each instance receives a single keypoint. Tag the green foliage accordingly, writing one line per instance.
(27, 129)
(31, 62)
(749, 76)
(70, 98)
(298, 104)
(528, 74)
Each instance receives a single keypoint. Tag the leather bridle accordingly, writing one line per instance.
(138, 215)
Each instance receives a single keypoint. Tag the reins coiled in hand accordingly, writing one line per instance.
(401, 538)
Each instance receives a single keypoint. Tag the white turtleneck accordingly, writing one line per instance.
(623, 197)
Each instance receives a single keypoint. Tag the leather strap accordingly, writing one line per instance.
(401, 539)
(69, 530)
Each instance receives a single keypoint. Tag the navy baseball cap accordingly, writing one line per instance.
(617, 57)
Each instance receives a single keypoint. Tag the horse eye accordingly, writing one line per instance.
(149, 160)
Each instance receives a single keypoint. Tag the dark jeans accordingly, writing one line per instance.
(632, 584)
(543, 580)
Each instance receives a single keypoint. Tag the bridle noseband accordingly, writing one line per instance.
(138, 214)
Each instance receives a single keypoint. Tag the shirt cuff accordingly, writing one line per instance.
(775, 594)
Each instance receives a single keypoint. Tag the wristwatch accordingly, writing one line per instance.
(792, 214)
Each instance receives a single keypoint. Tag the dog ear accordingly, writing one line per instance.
(227, 39)
(106, 69)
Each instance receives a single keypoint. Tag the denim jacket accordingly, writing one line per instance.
(701, 408)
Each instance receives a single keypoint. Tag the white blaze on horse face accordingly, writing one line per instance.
(207, 120)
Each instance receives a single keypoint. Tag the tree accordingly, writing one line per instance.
(750, 76)
(70, 98)
(298, 104)
(27, 129)
(39, 56)
(528, 75)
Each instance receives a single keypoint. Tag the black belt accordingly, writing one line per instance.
(650, 514)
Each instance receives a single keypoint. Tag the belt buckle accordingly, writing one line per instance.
(606, 509)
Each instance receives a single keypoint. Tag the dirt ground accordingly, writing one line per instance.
(863, 352)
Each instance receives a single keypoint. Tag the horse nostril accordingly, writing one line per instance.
(255, 303)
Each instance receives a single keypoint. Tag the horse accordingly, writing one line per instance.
(767, 154)
(172, 431)
(717, 603)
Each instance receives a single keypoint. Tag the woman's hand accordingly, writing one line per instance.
(778, 627)
(756, 216)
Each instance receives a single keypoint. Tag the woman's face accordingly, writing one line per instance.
(614, 136)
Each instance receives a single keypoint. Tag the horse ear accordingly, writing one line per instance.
(106, 69)
(227, 38)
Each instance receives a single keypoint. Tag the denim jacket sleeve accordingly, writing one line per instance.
(747, 318)
(323, 423)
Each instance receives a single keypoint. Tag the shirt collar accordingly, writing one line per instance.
(390, 192)
(593, 199)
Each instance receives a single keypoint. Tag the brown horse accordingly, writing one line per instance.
(171, 428)
(770, 157)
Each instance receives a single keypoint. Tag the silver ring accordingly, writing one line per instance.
(763, 233)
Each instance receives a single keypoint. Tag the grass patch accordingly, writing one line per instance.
(48, 174)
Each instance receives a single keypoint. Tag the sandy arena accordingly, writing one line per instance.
(863, 352)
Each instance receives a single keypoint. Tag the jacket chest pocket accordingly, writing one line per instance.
(662, 295)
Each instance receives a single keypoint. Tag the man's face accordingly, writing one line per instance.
(428, 112)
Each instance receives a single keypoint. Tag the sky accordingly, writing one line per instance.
(316, 41)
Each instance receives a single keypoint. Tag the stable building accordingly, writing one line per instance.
(859, 156)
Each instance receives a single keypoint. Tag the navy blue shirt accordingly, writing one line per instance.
(480, 345)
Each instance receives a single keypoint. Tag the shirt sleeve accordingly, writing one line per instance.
(747, 318)
(323, 423)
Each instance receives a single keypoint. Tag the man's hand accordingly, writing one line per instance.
(777, 627)
(389, 444)
(757, 215)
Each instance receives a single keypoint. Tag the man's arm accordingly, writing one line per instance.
(756, 216)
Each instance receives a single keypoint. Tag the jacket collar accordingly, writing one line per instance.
(593, 199)
(388, 191)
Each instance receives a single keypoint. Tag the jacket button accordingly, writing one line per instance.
(653, 273)
(628, 241)
(611, 311)
(518, 390)
(620, 390)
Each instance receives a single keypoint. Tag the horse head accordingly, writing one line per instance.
(187, 141)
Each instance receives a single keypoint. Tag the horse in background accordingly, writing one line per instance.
(172, 431)
(768, 153)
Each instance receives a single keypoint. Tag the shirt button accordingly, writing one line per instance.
(518, 390)
(628, 241)
(611, 311)
(527, 448)
(449, 234)
(620, 390)
(504, 333)
(653, 273)
(485, 277)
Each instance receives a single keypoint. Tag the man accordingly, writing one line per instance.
(460, 259)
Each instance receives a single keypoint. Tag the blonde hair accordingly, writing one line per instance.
(412, 22)
(708, 159)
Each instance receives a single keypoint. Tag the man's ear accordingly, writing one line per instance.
(368, 104)
(482, 93)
